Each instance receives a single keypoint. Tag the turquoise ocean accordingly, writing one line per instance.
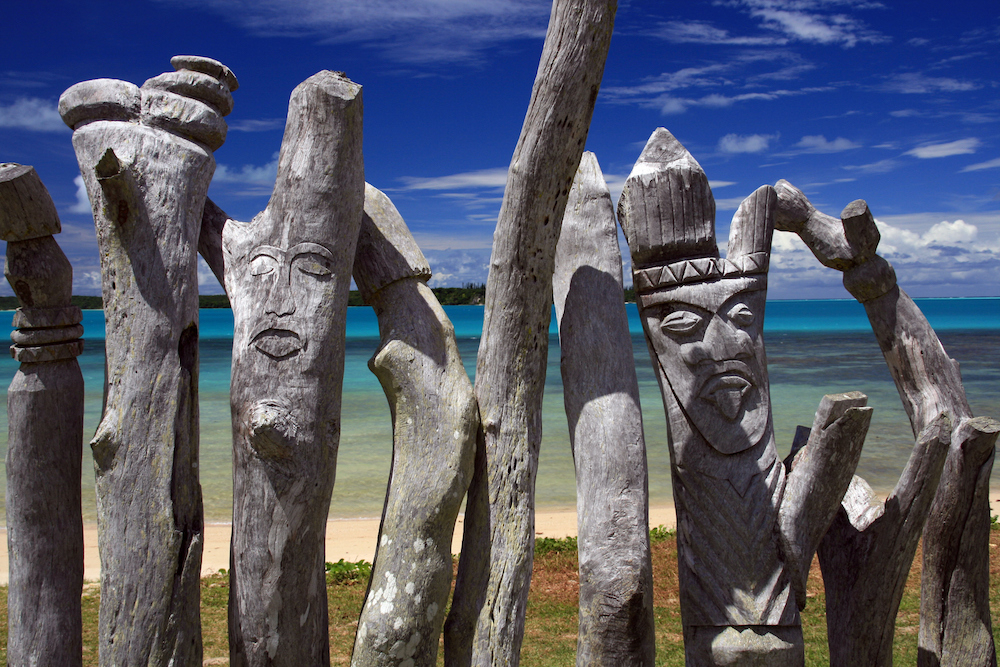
(813, 348)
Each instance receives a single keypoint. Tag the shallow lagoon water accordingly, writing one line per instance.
(813, 347)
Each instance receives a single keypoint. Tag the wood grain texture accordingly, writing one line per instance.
(435, 420)
(819, 475)
(146, 168)
(26, 209)
(601, 394)
(287, 274)
(44, 435)
(486, 624)
(866, 554)
(955, 624)
(703, 319)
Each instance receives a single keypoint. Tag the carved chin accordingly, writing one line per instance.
(730, 412)
(278, 344)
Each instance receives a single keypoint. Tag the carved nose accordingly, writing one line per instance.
(280, 300)
(722, 341)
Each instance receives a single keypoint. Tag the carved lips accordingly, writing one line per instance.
(278, 343)
(727, 392)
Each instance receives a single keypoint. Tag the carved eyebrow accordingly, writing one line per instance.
(309, 248)
(267, 251)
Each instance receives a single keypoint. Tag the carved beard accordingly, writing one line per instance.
(730, 409)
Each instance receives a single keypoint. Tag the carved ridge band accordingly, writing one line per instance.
(47, 318)
(42, 353)
(702, 269)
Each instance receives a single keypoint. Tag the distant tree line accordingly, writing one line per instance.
(469, 294)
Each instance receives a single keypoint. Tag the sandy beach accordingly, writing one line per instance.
(350, 539)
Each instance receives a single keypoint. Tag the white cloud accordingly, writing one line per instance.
(944, 260)
(82, 203)
(753, 143)
(880, 167)
(960, 147)
(256, 125)
(482, 178)
(817, 143)
(808, 21)
(662, 92)
(728, 203)
(32, 113)
(207, 282)
(248, 173)
(702, 32)
(412, 31)
(989, 164)
(914, 83)
(454, 267)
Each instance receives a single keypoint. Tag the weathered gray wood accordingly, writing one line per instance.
(819, 475)
(703, 319)
(955, 624)
(486, 624)
(866, 554)
(147, 179)
(26, 209)
(288, 275)
(955, 586)
(45, 435)
(435, 419)
(601, 394)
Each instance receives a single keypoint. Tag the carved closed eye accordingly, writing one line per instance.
(314, 264)
(680, 322)
(261, 265)
(741, 315)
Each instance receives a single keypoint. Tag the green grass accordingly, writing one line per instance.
(550, 625)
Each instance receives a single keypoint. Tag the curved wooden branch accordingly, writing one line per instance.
(601, 393)
(435, 420)
(929, 383)
(486, 624)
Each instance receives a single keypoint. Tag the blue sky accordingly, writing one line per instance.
(896, 102)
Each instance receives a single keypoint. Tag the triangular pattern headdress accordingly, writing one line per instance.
(667, 212)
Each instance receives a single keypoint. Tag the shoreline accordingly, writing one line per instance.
(346, 538)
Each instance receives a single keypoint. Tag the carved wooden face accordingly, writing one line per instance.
(707, 338)
(293, 288)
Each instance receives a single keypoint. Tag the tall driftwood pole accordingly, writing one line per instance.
(601, 393)
(288, 276)
(146, 159)
(45, 432)
(434, 421)
(955, 624)
(486, 624)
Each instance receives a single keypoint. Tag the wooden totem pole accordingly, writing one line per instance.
(434, 421)
(146, 159)
(288, 274)
(45, 432)
(703, 318)
(748, 525)
(601, 393)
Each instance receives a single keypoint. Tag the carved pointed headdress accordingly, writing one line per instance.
(668, 215)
